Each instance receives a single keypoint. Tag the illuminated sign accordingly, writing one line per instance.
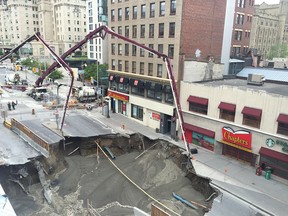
(118, 96)
(240, 138)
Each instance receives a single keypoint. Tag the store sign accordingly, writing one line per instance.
(156, 116)
(241, 137)
(271, 143)
(118, 96)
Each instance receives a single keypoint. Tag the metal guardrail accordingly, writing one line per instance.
(41, 142)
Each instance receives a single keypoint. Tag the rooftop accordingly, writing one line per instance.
(272, 88)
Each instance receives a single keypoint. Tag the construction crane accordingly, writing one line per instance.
(59, 61)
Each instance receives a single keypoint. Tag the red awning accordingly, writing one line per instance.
(283, 118)
(227, 106)
(252, 112)
(199, 130)
(274, 154)
(197, 100)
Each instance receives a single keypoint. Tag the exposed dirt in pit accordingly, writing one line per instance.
(88, 178)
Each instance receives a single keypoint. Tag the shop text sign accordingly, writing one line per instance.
(241, 137)
(118, 96)
(156, 116)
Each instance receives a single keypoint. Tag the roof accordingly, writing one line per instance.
(269, 73)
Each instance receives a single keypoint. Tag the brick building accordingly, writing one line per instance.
(244, 10)
(139, 85)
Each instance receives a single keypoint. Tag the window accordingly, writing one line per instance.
(152, 10)
(173, 7)
(119, 49)
(136, 112)
(120, 30)
(171, 51)
(251, 117)
(135, 12)
(172, 29)
(112, 15)
(126, 49)
(282, 124)
(133, 66)
(142, 52)
(119, 14)
(236, 51)
(119, 65)
(134, 31)
(154, 91)
(227, 111)
(126, 66)
(134, 50)
(127, 13)
(162, 9)
(198, 104)
(112, 49)
(159, 70)
(168, 94)
(142, 31)
(151, 46)
(113, 64)
(150, 69)
(238, 35)
(143, 11)
(240, 19)
(151, 30)
(126, 31)
(160, 48)
(141, 67)
(241, 3)
(161, 30)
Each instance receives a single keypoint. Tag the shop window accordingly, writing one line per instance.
(154, 91)
(137, 112)
(168, 94)
(137, 91)
(123, 88)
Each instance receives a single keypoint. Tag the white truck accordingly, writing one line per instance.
(84, 94)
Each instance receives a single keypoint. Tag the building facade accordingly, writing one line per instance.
(139, 83)
(244, 10)
(269, 27)
(61, 23)
(232, 118)
(97, 16)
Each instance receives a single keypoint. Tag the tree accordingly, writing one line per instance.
(56, 74)
(91, 71)
(278, 51)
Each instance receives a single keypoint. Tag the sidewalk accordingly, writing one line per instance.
(226, 174)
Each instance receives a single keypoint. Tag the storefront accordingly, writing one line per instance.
(237, 144)
(121, 99)
(199, 136)
(276, 160)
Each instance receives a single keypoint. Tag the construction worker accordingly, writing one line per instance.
(9, 105)
(13, 105)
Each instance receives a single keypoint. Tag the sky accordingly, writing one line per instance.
(267, 1)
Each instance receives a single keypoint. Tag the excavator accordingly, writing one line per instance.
(101, 32)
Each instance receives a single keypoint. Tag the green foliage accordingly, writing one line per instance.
(278, 51)
(56, 74)
(91, 71)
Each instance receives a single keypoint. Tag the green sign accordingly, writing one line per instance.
(270, 143)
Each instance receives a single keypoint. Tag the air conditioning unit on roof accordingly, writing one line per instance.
(255, 79)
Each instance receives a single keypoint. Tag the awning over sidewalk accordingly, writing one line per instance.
(199, 130)
(273, 154)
